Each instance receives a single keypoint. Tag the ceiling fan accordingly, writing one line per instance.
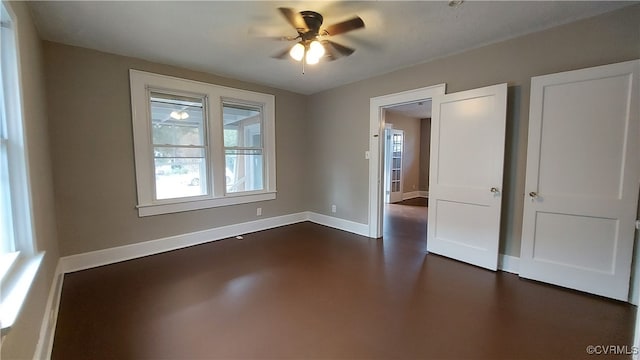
(312, 44)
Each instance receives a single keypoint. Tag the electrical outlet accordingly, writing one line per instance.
(333, 208)
(259, 212)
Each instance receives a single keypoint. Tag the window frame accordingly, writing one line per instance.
(238, 103)
(205, 147)
(19, 183)
(214, 96)
(18, 268)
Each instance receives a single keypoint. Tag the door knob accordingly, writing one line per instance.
(533, 194)
(494, 190)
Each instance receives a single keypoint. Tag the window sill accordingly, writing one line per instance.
(6, 263)
(157, 209)
(15, 286)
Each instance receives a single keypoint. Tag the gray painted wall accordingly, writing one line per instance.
(21, 340)
(425, 152)
(92, 148)
(340, 117)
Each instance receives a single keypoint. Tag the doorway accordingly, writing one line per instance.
(378, 115)
(406, 175)
(407, 150)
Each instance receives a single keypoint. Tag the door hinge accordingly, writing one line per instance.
(638, 224)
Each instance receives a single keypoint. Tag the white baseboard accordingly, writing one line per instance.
(636, 336)
(50, 318)
(415, 194)
(508, 263)
(410, 195)
(340, 224)
(127, 252)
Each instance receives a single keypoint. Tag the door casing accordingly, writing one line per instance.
(376, 146)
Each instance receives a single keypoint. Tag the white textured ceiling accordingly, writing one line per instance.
(214, 36)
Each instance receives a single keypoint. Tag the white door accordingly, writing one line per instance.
(395, 165)
(582, 178)
(465, 181)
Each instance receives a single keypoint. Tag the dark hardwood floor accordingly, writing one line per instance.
(307, 291)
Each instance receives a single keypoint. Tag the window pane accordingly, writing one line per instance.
(180, 172)
(242, 130)
(242, 126)
(231, 136)
(244, 170)
(177, 120)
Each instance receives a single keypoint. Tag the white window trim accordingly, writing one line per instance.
(15, 288)
(20, 267)
(143, 82)
(232, 102)
(17, 152)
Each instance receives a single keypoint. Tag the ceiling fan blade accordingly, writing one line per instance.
(294, 18)
(330, 53)
(282, 55)
(340, 49)
(343, 27)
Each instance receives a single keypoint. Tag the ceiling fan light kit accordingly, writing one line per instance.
(311, 52)
(312, 45)
(315, 51)
(297, 51)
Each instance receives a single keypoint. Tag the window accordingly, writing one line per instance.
(179, 146)
(243, 150)
(15, 213)
(200, 145)
(18, 259)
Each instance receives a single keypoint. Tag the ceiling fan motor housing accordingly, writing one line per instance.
(307, 23)
(313, 21)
